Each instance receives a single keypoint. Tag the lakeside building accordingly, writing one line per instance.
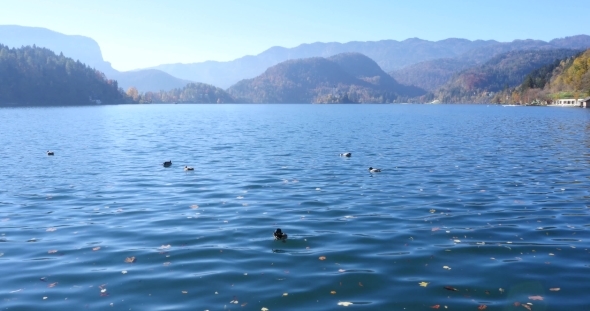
(572, 102)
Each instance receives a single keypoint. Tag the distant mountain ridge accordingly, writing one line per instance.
(88, 52)
(343, 78)
(390, 55)
(432, 74)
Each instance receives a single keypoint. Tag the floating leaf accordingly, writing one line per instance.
(435, 307)
(516, 304)
(130, 259)
(345, 303)
(333, 292)
(527, 307)
(432, 211)
(424, 284)
(285, 294)
(244, 304)
(435, 229)
(52, 284)
(52, 251)
(96, 248)
(264, 309)
(194, 206)
(451, 288)
(482, 307)
(535, 298)
(322, 257)
(555, 289)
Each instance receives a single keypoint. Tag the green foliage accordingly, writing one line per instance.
(37, 76)
(198, 93)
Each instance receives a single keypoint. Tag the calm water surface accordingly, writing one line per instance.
(492, 203)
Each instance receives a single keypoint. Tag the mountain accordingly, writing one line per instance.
(347, 77)
(390, 55)
(148, 80)
(87, 51)
(478, 84)
(432, 74)
(564, 78)
(34, 76)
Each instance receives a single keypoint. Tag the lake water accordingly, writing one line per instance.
(477, 207)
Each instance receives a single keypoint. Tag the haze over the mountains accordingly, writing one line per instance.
(372, 71)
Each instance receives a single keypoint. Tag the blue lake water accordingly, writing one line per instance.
(491, 202)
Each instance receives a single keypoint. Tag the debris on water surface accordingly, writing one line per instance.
(130, 259)
(322, 258)
(333, 292)
(52, 251)
(554, 289)
(96, 248)
(424, 284)
(447, 267)
(345, 303)
(451, 288)
(536, 297)
(51, 229)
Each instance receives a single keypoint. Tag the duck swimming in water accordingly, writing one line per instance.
(49, 153)
(374, 170)
(279, 235)
(346, 154)
(189, 168)
(167, 163)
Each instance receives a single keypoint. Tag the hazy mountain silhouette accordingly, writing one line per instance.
(389, 54)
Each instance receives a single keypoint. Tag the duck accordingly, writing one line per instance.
(189, 168)
(346, 154)
(279, 235)
(167, 163)
(49, 153)
(374, 170)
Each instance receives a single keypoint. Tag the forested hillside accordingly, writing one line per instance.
(198, 93)
(479, 84)
(343, 78)
(565, 78)
(37, 76)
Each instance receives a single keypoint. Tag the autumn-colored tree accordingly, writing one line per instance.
(133, 93)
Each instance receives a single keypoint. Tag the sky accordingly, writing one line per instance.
(137, 34)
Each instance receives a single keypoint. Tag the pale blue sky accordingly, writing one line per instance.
(141, 33)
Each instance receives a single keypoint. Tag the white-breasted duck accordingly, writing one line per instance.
(279, 235)
(189, 168)
(167, 163)
(374, 170)
(346, 154)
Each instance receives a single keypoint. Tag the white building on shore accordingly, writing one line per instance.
(572, 102)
